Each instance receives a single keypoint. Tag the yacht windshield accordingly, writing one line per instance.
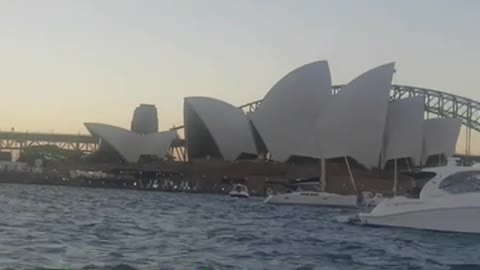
(462, 182)
(419, 180)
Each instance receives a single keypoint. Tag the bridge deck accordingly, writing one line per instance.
(47, 137)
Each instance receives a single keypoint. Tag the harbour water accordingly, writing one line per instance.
(55, 227)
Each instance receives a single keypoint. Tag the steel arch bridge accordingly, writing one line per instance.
(437, 103)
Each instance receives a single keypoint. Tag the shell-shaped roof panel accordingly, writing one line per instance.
(404, 130)
(440, 136)
(158, 144)
(228, 126)
(353, 122)
(287, 114)
(131, 145)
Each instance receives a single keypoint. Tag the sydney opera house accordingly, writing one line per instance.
(300, 120)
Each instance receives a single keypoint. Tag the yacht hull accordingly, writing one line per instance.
(239, 194)
(461, 219)
(314, 198)
(429, 217)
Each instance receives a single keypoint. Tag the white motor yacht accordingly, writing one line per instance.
(448, 201)
(239, 191)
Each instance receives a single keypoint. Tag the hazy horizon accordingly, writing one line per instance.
(68, 62)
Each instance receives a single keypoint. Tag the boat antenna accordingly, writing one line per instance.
(323, 175)
(408, 164)
(351, 175)
(395, 177)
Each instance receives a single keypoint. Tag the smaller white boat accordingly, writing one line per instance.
(449, 201)
(318, 196)
(313, 198)
(239, 191)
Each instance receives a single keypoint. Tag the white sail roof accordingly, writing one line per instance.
(404, 130)
(440, 136)
(227, 124)
(131, 145)
(352, 123)
(286, 115)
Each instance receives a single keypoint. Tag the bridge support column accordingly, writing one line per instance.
(468, 141)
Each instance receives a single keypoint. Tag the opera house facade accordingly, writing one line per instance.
(300, 118)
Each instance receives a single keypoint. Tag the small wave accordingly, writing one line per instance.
(133, 203)
(351, 219)
(464, 266)
(88, 267)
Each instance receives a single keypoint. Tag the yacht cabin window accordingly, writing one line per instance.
(461, 182)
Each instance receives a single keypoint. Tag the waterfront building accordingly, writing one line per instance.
(145, 119)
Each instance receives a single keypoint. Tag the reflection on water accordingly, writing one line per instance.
(52, 227)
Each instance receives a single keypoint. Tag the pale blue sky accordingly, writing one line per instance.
(65, 62)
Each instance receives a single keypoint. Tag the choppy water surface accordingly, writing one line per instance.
(46, 227)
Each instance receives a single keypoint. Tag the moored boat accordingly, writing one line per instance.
(239, 191)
